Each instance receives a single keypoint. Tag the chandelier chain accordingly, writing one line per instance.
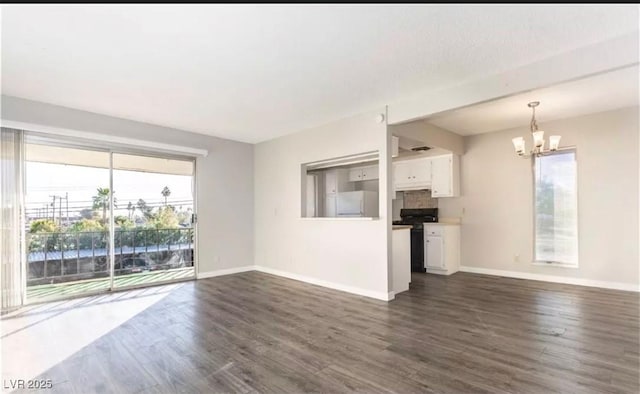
(534, 124)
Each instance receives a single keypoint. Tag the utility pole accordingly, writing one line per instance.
(53, 206)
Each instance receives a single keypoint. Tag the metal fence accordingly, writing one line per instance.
(67, 256)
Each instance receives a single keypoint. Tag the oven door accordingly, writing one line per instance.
(417, 250)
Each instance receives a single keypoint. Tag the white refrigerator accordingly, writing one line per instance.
(357, 204)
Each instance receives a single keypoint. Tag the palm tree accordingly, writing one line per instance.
(144, 208)
(165, 193)
(101, 200)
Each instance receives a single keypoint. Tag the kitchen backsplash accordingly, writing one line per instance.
(419, 199)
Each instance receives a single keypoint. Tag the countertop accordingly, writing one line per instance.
(401, 227)
(446, 221)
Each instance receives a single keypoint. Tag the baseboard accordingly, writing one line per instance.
(335, 286)
(553, 279)
(228, 271)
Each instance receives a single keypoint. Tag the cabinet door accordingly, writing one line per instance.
(355, 174)
(331, 182)
(433, 252)
(402, 173)
(441, 177)
(421, 171)
(369, 173)
(330, 207)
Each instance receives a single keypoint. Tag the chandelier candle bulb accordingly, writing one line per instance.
(538, 139)
(519, 145)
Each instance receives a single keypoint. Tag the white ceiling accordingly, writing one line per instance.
(252, 73)
(616, 89)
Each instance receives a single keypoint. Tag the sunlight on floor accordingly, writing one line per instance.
(37, 337)
(43, 293)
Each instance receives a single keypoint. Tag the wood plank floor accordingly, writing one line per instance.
(467, 333)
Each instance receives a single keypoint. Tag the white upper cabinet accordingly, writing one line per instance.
(331, 182)
(441, 174)
(363, 173)
(370, 172)
(401, 173)
(412, 174)
(336, 181)
(445, 176)
(422, 172)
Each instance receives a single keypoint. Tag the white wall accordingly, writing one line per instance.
(224, 177)
(346, 254)
(498, 199)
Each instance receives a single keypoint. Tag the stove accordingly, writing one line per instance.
(416, 217)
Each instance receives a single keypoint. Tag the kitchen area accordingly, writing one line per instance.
(420, 181)
(343, 191)
(422, 241)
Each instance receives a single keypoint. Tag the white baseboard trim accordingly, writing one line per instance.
(335, 286)
(228, 271)
(553, 279)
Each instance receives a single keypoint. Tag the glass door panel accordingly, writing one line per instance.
(154, 234)
(67, 220)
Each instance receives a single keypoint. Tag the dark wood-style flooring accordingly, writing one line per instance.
(467, 333)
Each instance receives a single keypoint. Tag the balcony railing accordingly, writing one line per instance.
(67, 256)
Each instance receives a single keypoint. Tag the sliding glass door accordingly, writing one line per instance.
(153, 219)
(97, 220)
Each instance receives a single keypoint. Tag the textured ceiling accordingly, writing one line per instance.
(616, 89)
(252, 73)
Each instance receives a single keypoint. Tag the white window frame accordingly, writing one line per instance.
(536, 261)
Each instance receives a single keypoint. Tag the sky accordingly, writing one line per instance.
(44, 180)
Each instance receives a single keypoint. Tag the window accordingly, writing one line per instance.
(556, 208)
(341, 187)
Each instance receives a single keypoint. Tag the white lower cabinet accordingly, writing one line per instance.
(433, 250)
(442, 248)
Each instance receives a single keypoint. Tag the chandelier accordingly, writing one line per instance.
(538, 138)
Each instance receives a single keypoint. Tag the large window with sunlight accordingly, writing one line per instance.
(556, 208)
(96, 220)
